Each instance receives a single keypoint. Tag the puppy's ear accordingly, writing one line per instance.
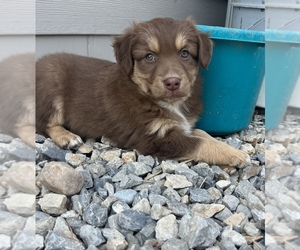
(122, 46)
(205, 49)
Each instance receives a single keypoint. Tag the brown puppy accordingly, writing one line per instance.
(149, 100)
(17, 97)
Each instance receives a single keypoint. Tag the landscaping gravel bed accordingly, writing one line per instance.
(102, 197)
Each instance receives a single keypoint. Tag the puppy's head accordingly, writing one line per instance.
(163, 56)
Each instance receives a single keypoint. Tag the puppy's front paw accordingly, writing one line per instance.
(237, 158)
(64, 138)
(73, 142)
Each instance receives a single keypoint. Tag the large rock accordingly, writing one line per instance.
(61, 178)
(21, 176)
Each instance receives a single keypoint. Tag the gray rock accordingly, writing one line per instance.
(190, 174)
(243, 188)
(76, 224)
(23, 241)
(254, 202)
(95, 215)
(63, 228)
(245, 210)
(148, 160)
(18, 150)
(169, 166)
(251, 230)
(227, 244)
(219, 173)
(87, 178)
(96, 169)
(231, 202)
(157, 199)
(132, 220)
(158, 211)
(204, 170)
(259, 218)
(5, 242)
(10, 223)
(126, 195)
(250, 171)
(56, 241)
(5, 138)
(138, 168)
(49, 150)
(174, 244)
(61, 178)
(201, 196)
(171, 195)
(198, 232)
(44, 223)
(91, 235)
(166, 228)
(147, 232)
(224, 214)
(130, 181)
(293, 217)
(178, 208)
(109, 233)
(234, 236)
(120, 206)
(234, 142)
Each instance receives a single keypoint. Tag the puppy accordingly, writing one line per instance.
(149, 100)
(17, 97)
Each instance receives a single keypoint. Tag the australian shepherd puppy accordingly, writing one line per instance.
(149, 100)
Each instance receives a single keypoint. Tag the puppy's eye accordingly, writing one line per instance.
(150, 57)
(184, 54)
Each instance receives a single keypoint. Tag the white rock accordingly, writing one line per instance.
(222, 184)
(158, 211)
(207, 210)
(143, 206)
(53, 203)
(166, 228)
(177, 181)
(23, 204)
(116, 244)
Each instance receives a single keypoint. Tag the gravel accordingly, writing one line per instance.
(102, 197)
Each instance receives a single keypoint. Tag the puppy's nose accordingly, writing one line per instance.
(172, 83)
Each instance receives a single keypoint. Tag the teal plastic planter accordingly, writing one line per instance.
(282, 73)
(233, 79)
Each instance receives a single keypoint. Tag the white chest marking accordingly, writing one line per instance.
(175, 109)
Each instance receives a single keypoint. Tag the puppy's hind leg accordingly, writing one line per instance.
(61, 136)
